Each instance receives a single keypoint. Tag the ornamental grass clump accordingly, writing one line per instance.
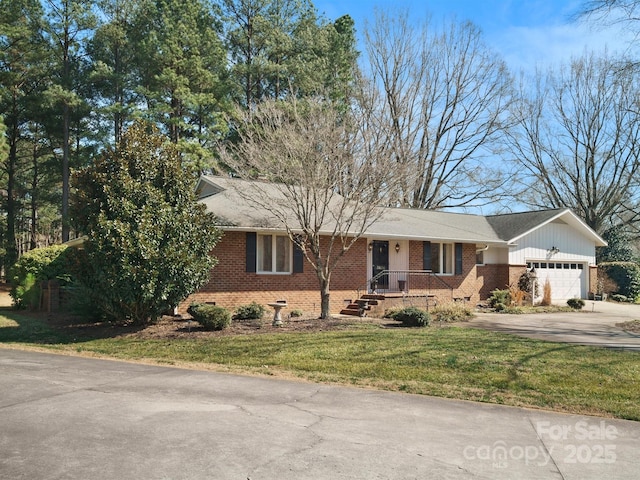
(451, 312)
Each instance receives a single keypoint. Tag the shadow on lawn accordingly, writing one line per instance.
(40, 328)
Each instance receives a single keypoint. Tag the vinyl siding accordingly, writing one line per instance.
(572, 246)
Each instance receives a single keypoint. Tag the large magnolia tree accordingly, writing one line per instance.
(331, 171)
(149, 241)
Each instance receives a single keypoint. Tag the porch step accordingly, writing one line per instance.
(359, 308)
(372, 296)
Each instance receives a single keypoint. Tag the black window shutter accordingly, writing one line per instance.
(426, 255)
(298, 259)
(251, 251)
(458, 270)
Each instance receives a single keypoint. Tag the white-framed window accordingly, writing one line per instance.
(274, 254)
(442, 258)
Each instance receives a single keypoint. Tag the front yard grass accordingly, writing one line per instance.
(452, 362)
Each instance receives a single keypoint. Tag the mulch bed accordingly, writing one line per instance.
(169, 327)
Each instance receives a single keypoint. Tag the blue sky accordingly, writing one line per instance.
(527, 33)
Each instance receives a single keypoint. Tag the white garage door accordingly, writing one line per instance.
(567, 279)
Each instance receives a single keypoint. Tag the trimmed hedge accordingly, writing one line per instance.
(211, 317)
(411, 317)
(575, 303)
(251, 311)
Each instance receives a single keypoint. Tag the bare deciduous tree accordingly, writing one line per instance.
(577, 141)
(610, 11)
(326, 172)
(444, 96)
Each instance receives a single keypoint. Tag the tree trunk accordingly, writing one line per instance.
(324, 300)
(34, 196)
(10, 241)
(65, 173)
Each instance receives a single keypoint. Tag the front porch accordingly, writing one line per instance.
(419, 288)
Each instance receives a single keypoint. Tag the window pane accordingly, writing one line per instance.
(447, 258)
(283, 254)
(435, 258)
(265, 253)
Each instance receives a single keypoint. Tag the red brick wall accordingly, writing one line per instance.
(492, 277)
(515, 272)
(593, 280)
(464, 285)
(229, 285)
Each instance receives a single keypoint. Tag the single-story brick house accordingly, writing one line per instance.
(407, 253)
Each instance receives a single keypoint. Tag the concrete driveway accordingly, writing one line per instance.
(78, 418)
(595, 325)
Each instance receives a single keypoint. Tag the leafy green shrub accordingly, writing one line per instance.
(499, 307)
(149, 241)
(451, 312)
(626, 275)
(26, 294)
(619, 298)
(36, 266)
(296, 313)
(391, 312)
(412, 317)
(500, 297)
(211, 317)
(575, 303)
(251, 311)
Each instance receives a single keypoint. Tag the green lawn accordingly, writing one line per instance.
(452, 362)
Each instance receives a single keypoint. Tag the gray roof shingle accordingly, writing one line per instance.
(227, 199)
(512, 225)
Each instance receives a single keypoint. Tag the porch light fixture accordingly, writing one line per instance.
(370, 246)
(397, 247)
(553, 250)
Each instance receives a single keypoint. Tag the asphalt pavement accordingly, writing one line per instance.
(597, 324)
(64, 417)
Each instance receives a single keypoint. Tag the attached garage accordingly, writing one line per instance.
(566, 279)
(558, 244)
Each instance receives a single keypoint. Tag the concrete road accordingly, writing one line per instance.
(78, 418)
(593, 325)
